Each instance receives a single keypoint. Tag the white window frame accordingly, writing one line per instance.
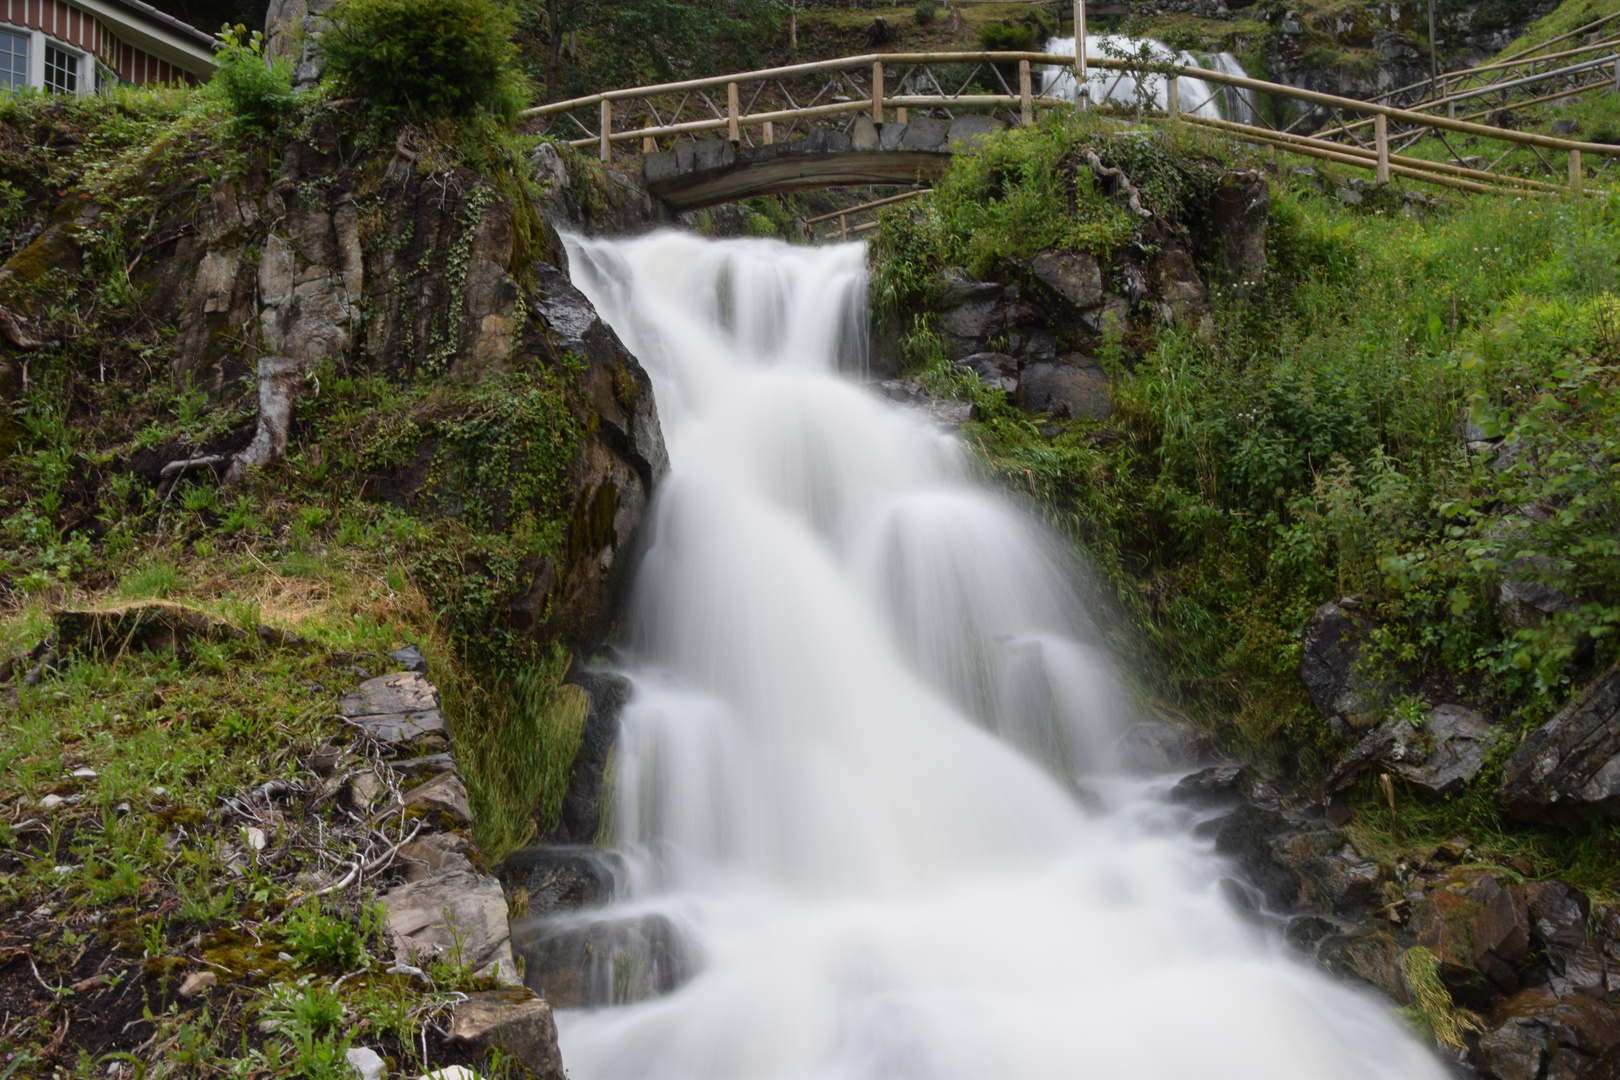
(79, 55)
(27, 35)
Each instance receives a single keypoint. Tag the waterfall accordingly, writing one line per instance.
(1193, 95)
(867, 769)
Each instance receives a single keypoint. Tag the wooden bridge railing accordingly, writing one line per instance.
(644, 118)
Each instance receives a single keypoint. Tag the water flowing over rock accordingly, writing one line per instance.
(867, 707)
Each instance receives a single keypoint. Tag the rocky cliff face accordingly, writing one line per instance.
(1360, 51)
(333, 265)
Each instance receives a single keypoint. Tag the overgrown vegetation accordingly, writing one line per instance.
(1315, 447)
(428, 58)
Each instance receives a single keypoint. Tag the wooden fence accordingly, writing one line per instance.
(775, 104)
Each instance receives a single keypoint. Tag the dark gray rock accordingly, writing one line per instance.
(1071, 276)
(410, 658)
(1166, 744)
(1368, 955)
(1524, 605)
(968, 132)
(590, 963)
(864, 134)
(910, 395)
(891, 136)
(1245, 836)
(1242, 205)
(1568, 770)
(1331, 651)
(998, 371)
(581, 816)
(1068, 390)
(564, 877)
(1445, 756)
(1210, 787)
(924, 134)
(398, 708)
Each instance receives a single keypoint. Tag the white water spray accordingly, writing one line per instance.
(868, 703)
(1194, 96)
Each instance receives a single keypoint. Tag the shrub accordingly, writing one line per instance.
(257, 89)
(430, 58)
(1005, 37)
(925, 13)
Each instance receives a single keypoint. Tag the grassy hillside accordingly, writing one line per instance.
(1315, 448)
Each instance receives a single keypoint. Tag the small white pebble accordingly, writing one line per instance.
(254, 837)
(162, 793)
(122, 808)
(62, 869)
(84, 774)
(51, 802)
(286, 958)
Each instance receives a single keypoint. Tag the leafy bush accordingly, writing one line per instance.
(925, 12)
(428, 58)
(1006, 37)
(329, 938)
(257, 89)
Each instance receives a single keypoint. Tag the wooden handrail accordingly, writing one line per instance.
(1289, 138)
(1276, 89)
(1491, 88)
(874, 204)
(864, 60)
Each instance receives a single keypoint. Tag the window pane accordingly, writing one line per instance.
(61, 71)
(13, 59)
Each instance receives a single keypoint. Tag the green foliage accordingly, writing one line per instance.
(257, 89)
(330, 938)
(925, 12)
(626, 42)
(427, 58)
(1006, 37)
(1029, 190)
(516, 747)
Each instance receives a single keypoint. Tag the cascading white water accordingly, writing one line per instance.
(867, 700)
(1195, 96)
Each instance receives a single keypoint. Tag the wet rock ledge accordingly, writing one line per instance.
(1531, 966)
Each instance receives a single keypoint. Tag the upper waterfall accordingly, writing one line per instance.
(870, 712)
(1193, 95)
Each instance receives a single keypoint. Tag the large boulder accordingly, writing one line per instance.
(1242, 205)
(1330, 663)
(1443, 757)
(581, 817)
(1539, 1032)
(456, 916)
(1071, 388)
(591, 962)
(1568, 770)
(564, 877)
(518, 1021)
(1479, 932)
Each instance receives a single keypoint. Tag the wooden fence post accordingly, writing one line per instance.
(731, 112)
(1381, 135)
(900, 115)
(1025, 106)
(649, 145)
(607, 129)
(1172, 104)
(877, 92)
(1577, 178)
(770, 133)
(843, 226)
(1082, 92)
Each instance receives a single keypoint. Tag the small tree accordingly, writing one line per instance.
(430, 58)
(257, 89)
